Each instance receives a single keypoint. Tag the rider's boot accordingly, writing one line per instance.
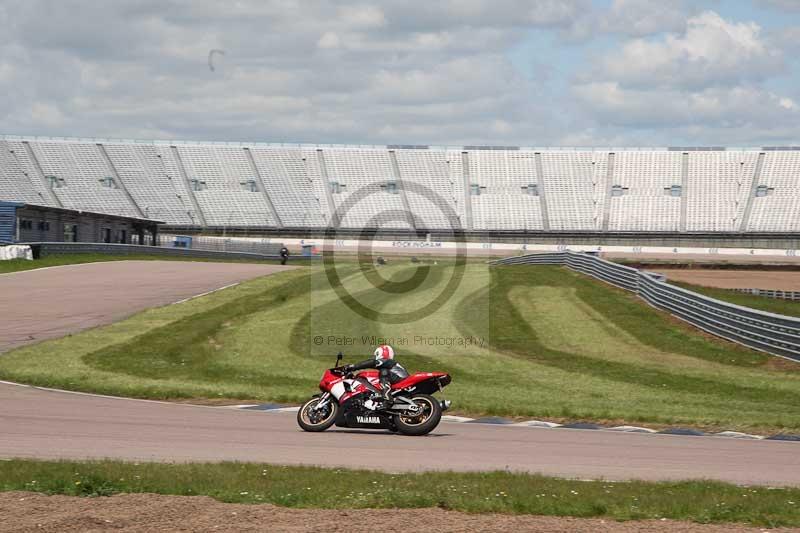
(381, 399)
(386, 395)
(372, 404)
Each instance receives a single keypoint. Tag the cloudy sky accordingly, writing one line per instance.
(452, 72)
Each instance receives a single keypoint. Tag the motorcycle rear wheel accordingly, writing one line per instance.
(310, 421)
(423, 423)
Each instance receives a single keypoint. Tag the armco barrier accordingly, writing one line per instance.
(42, 249)
(768, 332)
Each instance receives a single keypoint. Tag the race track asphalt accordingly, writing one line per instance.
(47, 424)
(52, 302)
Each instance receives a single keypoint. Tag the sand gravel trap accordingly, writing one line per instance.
(735, 279)
(25, 511)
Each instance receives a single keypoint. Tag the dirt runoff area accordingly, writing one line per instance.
(735, 279)
(26, 511)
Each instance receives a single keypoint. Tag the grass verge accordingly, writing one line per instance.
(771, 305)
(495, 492)
(18, 265)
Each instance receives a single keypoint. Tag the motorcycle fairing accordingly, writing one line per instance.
(415, 379)
(424, 382)
(352, 415)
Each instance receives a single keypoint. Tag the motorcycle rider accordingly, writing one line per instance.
(389, 370)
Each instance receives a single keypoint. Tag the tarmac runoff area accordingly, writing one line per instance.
(52, 302)
(46, 424)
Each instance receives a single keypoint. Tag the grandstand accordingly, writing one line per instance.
(410, 188)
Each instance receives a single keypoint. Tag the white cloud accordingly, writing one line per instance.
(329, 40)
(426, 16)
(319, 71)
(361, 16)
(725, 107)
(712, 51)
(382, 71)
(644, 17)
(706, 85)
(47, 114)
(788, 103)
(631, 18)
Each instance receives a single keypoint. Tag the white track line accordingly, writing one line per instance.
(206, 293)
(106, 396)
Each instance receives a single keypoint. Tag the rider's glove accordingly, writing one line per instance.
(348, 368)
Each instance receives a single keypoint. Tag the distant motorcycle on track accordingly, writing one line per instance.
(347, 400)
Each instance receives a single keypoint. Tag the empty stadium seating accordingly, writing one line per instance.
(299, 198)
(259, 185)
(775, 199)
(571, 187)
(14, 184)
(642, 180)
(719, 184)
(83, 176)
(360, 187)
(432, 195)
(502, 200)
(159, 194)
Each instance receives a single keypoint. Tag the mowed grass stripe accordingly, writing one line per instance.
(186, 346)
(556, 309)
(512, 333)
(620, 368)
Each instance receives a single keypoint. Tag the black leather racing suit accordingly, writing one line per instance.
(389, 371)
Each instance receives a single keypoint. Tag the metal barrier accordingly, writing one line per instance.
(767, 332)
(225, 244)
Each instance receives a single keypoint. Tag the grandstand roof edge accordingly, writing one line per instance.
(81, 211)
(460, 148)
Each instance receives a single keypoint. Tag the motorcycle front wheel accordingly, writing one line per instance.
(311, 418)
(424, 420)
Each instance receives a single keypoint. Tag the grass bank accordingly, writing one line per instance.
(535, 342)
(495, 492)
(18, 265)
(771, 305)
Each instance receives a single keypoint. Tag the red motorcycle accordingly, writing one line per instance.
(347, 401)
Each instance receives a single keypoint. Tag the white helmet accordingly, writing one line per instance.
(384, 352)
